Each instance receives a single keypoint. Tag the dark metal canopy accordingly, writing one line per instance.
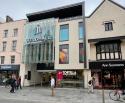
(61, 12)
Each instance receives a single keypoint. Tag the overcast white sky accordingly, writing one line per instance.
(18, 9)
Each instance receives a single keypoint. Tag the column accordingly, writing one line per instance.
(50, 51)
(37, 52)
(41, 53)
(45, 52)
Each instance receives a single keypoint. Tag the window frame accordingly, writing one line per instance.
(108, 26)
(2, 59)
(110, 52)
(83, 52)
(66, 45)
(4, 46)
(5, 33)
(12, 62)
(15, 34)
(79, 30)
(14, 46)
(60, 33)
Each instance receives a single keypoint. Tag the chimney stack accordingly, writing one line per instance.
(8, 19)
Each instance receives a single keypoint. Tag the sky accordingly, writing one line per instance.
(17, 9)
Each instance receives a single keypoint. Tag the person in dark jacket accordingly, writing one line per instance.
(19, 83)
(123, 86)
(13, 84)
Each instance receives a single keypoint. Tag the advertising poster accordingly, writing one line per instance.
(63, 54)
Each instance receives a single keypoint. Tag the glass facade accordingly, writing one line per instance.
(64, 32)
(38, 43)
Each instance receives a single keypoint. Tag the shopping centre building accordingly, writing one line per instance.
(75, 48)
(55, 43)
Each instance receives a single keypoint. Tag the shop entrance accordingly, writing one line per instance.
(46, 77)
(5, 75)
(113, 78)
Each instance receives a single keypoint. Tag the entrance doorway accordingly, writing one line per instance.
(113, 78)
(46, 77)
(5, 75)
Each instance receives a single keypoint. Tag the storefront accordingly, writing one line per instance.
(69, 78)
(45, 70)
(108, 74)
(8, 70)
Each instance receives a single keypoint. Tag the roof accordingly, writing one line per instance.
(117, 4)
(61, 12)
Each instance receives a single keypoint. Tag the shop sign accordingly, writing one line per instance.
(39, 31)
(107, 64)
(9, 67)
(69, 72)
(112, 65)
(5, 67)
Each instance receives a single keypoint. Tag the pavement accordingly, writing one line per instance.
(62, 95)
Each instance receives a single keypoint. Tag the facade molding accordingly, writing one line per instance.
(106, 39)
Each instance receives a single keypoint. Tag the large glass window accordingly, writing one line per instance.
(4, 45)
(81, 33)
(15, 32)
(64, 54)
(5, 34)
(14, 43)
(12, 59)
(108, 51)
(81, 53)
(64, 32)
(2, 59)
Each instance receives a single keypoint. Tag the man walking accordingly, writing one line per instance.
(13, 83)
(52, 84)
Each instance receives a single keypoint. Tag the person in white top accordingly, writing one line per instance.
(52, 85)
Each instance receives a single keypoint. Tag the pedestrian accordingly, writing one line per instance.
(90, 86)
(16, 83)
(123, 86)
(19, 82)
(52, 85)
(13, 83)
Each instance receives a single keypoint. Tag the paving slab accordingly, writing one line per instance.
(62, 95)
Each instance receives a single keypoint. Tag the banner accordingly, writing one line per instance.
(39, 31)
(64, 54)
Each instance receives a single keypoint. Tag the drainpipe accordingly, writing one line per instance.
(84, 36)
